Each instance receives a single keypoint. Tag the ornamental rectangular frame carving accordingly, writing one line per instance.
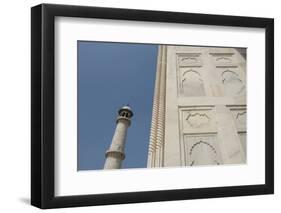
(43, 102)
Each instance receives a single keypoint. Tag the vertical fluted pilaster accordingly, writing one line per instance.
(153, 128)
(155, 150)
(161, 111)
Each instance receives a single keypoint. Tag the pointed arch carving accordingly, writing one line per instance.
(192, 83)
(202, 150)
(202, 142)
(233, 84)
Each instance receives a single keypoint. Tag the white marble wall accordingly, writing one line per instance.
(204, 96)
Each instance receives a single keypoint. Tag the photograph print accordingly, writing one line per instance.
(153, 106)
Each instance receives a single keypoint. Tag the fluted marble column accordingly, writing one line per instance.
(156, 144)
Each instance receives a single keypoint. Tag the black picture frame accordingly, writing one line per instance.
(43, 101)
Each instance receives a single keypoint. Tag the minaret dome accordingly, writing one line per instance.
(126, 111)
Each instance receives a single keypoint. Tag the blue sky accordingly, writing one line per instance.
(111, 75)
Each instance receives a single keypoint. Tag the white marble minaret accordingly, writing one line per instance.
(115, 154)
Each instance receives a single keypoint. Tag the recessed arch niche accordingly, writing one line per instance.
(233, 84)
(192, 84)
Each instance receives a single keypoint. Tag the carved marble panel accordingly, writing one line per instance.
(189, 60)
(224, 59)
(198, 120)
(202, 150)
